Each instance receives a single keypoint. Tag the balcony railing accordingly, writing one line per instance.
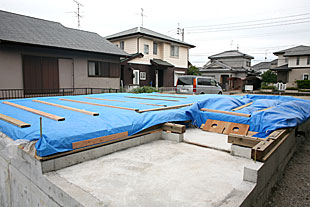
(30, 93)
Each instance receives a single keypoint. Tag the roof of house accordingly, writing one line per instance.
(274, 62)
(295, 51)
(262, 65)
(230, 54)
(161, 62)
(282, 68)
(146, 32)
(29, 30)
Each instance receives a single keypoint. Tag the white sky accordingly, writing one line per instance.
(109, 17)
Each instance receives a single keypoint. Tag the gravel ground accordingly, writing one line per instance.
(294, 188)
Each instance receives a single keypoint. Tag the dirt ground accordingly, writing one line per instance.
(294, 188)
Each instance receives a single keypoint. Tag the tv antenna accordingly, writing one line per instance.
(78, 12)
(180, 31)
(142, 16)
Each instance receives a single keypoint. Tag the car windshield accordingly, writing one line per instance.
(185, 80)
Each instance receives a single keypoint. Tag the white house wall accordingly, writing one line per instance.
(302, 62)
(65, 73)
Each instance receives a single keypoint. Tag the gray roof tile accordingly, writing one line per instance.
(295, 51)
(29, 30)
(229, 54)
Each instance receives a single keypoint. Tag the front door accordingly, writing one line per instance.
(136, 78)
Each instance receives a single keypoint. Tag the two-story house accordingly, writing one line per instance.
(229, 68)
(156, 60)
(293, 64)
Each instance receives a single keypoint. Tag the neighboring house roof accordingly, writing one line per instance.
(18, 28)
(295, 51)
(262, 66)
(146, 32)
(132, 56)
(215, 64)
(282, 68)
(161, 63)
(230, 54)
(274, 62)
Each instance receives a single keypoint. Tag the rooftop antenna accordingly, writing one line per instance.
(180, 31)
(78, 12)
(142, 15)
(237, 47)
(231, 44)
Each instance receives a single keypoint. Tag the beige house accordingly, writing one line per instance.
(37, 56)
(293, 64)
(229, 68)
(157, 59)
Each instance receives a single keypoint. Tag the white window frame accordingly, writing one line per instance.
(174, 51)
(136, 78)
(305, 74)
(146, 49)
(142, 75)
(122, 45)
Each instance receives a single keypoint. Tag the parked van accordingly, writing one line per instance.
(197, 85)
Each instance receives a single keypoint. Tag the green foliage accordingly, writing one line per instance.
(267, 87)
(303, 84)
(193, 70)
(291, 88)
(144, 89)
(269, 77)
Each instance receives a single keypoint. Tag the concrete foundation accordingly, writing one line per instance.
(145, 171)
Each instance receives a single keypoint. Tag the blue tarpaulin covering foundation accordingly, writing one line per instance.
(58, 136)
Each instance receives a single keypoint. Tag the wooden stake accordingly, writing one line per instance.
(69, 108)
(241, 107)
(226, 112)
(95, 104)
(165, 108)
(41, 113)
(13, 121)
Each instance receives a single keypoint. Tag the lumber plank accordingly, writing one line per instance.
(251, 133)
(264, 109)
(164, 108)
(124, 101)
(96, 104)
(243, 106)
(41, 113)
(167, 96)
(69, 108)
(243, 140)
(223, 127)
(158, 99)
(175, 128)
(275, 148)
(13, 121)
(98, 140)
(225, 112)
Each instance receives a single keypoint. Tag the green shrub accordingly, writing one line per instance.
(144, 89)
(267, 87)
(291, 88)
(303, 84)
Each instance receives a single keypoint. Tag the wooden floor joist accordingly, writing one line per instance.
(164, 108)
(41, 113)
(175, 128)
(244, 141)
(96, 104)
(69, 108)
(158, 99)
(124, 101)
(241, 107)
(264, 109)
(167, 96)
(13, 121)
(226, 112)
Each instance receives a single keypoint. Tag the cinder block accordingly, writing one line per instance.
(172, 136)
(250, 174)
(240, 151)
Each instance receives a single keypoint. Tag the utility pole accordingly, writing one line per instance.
(78, 12)
(180, 31)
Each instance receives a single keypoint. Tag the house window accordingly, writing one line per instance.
(142, 75)
(122, 45)
(146, 49)
(305, 76)
(286, 60)
(308, 60)
(155, 48)
(297, 61)
(174, 51)
(248, 63)
(103, 69)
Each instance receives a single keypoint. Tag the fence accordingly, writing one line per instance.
(30, 93)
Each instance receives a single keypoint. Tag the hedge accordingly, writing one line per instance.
(303, 84)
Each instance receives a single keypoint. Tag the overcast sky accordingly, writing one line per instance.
(257, 27)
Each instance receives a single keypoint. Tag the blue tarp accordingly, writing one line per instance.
(59, 136)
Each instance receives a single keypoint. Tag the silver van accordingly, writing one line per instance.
(197, 85)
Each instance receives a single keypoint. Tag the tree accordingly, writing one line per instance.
(269, 77)
(193, 70)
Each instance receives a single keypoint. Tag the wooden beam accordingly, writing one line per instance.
(164, 108)
(241, 107)
(95, 104)
(176, 128)
(41, 113)
(159, 99)
(264, 109)
(243, 140)
(167, 96)
(223, 127)
(13, 121)
(226, 112)
(69, 108)
(124, 101)
(98, 140)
